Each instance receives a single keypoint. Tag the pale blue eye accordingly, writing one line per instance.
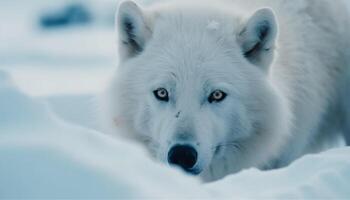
(161, 94)
(217, 96)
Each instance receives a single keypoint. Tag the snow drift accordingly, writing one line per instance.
(41, 156)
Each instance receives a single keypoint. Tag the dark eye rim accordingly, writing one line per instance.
(211, 98)
(166, 98)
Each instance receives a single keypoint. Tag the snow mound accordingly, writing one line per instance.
(323, 176)
(43, 157)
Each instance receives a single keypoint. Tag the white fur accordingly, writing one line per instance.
(284, 98)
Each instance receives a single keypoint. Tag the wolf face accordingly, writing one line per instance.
(192, 86)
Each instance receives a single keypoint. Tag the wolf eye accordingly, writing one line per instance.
(161, 94)
(217, 96)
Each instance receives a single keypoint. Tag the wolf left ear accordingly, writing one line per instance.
(132, 29)
(258, 36)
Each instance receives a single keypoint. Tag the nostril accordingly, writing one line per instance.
(184, 156)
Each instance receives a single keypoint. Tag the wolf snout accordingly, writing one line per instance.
(184, 156)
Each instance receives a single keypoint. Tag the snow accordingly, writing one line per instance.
(49, 146)
(323, 176)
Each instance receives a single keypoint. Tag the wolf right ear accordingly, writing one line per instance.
(132, 29)
(258, 36)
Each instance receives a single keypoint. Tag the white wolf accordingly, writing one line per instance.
(215, 87)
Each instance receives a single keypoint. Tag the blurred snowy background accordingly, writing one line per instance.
(59, 50)
(55, 55)
(64, 46)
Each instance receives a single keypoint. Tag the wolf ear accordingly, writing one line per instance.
(132, 29)
(258, 36)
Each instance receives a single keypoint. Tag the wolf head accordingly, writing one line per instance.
(193, 86)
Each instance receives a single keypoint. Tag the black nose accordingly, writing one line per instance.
(184, 156)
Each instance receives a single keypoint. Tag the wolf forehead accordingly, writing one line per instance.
(182, 30)
(189, 40)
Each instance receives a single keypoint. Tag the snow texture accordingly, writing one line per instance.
(49, 147)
